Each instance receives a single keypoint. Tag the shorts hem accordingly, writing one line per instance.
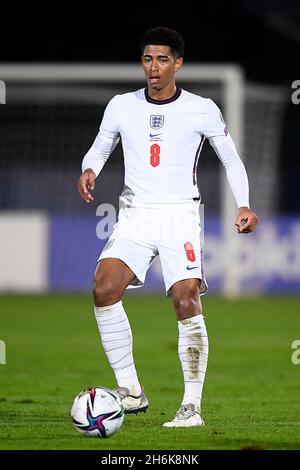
(137, 282)
(203, 284)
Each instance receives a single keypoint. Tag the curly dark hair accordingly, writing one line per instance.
(164, 37)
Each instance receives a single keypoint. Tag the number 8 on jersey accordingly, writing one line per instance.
(155, 155)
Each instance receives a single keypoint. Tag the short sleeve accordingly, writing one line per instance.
(213, 121)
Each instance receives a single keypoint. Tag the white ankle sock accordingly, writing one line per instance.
(116, 337)
(193, 354)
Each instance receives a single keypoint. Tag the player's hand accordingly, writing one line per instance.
(85, 184)
(246, 220)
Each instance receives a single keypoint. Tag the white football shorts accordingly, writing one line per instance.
(170, 231)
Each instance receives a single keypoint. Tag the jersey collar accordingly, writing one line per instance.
(169, 100)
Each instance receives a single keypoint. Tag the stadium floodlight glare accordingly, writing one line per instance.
(229, 77)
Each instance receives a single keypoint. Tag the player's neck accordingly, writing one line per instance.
(164, 93)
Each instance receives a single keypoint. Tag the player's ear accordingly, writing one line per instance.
(178, 63)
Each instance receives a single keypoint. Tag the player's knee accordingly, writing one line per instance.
(105, 293)
(187, 307)
(187, 302)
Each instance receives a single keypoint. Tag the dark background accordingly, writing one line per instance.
(263, 36)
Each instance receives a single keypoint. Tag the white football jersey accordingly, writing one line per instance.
(161, 142)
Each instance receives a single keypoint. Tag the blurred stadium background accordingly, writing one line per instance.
(48, 234)
(56, 92)
(49, 240)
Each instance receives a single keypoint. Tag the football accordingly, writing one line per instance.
(97, 412)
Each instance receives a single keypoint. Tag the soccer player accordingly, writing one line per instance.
(162, 128)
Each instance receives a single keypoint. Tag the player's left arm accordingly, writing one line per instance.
(217, 133)
(246, 220)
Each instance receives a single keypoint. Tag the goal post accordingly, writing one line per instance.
(229, 77)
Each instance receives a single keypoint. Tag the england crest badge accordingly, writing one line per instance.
(157, 121)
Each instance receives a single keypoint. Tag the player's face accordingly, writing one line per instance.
(159, 66)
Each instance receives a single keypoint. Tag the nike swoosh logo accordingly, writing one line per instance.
(154, 135)
(194, 267)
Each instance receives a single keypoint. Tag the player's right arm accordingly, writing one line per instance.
(104, 144)
(85, 184)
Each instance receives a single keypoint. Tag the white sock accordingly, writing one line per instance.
(193, 355)
(116, 337)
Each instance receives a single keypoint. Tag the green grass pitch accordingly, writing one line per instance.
(251, 394)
